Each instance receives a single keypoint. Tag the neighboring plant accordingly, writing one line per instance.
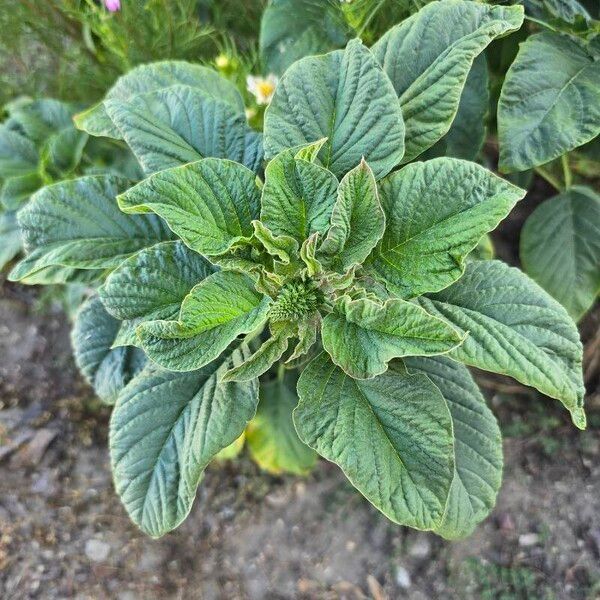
(549, 106)
(327, 302)
(40, 145)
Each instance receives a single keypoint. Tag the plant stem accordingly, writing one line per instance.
(280, 371)
(549, 178)
(566, 171)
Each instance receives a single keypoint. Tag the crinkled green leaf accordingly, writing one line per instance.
(209, 204)
(345, 97)
(181, 124)
(105, 368)
(560, 248)
(428, 58)
(307, 336)
(436, 212)
(550, 101)
(264, 358)
(293, 29)
(213, 314)
(10, 238)
(297, 197)
(391, 435)
(477, 445)
(362, 336)
(271, 435)
(77, 223)
(283, 247)
(515, 328)
(165, 428)
(153, 77)
(357, 220)
(151, 285)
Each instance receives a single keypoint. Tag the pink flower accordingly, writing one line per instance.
(112, 5)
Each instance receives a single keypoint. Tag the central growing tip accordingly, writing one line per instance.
(296, 300)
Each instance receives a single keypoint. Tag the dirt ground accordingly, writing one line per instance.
(64, 534)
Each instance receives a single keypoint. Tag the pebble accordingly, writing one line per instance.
(528, 539)
(420, 548)
(97, 550)
(402, 577)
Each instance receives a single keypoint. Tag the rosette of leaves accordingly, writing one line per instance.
(324, 304)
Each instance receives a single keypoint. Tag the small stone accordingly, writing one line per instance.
(402, 577)
(528, 539)
(97, 550)
(420, 548)
(32, 453)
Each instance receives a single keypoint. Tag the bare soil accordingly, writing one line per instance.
(64, 534)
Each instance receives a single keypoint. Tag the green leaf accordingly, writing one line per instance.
(181, 124)
(18, 189)
(345, 97)
(209, 204)
(63, 150)
(283, 247)
(264, 358)
(357, 220)
(467, 133)
(297, 197)
(484, 249)
(428, 58)
(391, 435)
(154, 77)
(515, 328)
(271, 435)
(560, 248)
(232, 451)
(436, 212)
(165, 428)
(106, 369)
(317, 26)
(362, 336)
(550, 101)
(151, 285)
(39, 119)
(477, 445)
(308, 252)
(10, 238)
(77, 223)
(307, 337)
(213, 314)
(18, 155)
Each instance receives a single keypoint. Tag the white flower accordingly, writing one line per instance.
(262, 88)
